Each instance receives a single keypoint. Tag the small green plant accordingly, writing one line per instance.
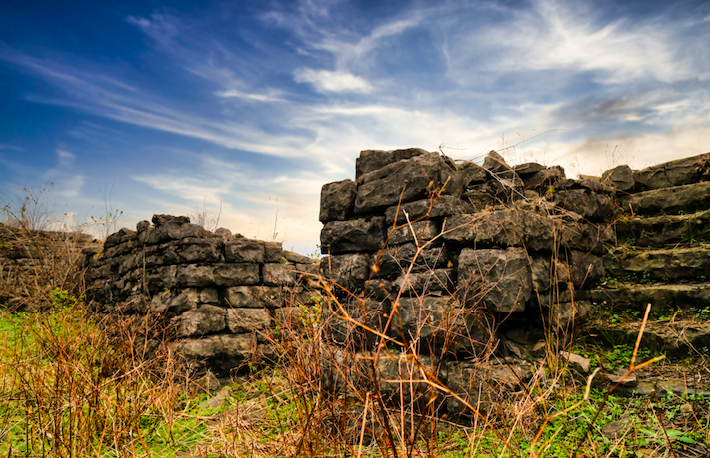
(62, 299)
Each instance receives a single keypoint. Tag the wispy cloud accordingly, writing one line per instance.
(326, 81)
(233, 93)
(65, 158)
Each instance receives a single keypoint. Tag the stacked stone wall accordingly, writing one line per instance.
(217, 292)
(456, 261)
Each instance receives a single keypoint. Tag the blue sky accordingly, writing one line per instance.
(163, 107)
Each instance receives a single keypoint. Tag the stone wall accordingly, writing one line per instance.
(216, 292)
(456, 262)
(37, 259)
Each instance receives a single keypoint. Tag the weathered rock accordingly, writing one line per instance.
(223, 233)
(621, 178)
(347, 323)
(421, 230)
(437, 280)
(528, 168)
(122, 236)
(349, 271)
(410, 180)
(591, 205)
(297, 258)
(395, 260)
(498, 279)
(255, 297)
(240, 321)
(161, 278)
(471, 173)
(273, 251)
(483, 384)
(142, 226)
(576, 362)
(565, 317)
(662, 230)
(281, 274)
(241, 249)
(371, 160)
(675, 173)
(544, 178)
(667, 263)
(510, 227)
(207, 319)
(194, 250)
(438, 325)
(443, 206)
(208, 382)
(495, 163)
(220, 399)
(337, 200)
(635, 297)
(671, 200)
(160, 220)
(221, 353)
(364, 234)
(174, 303)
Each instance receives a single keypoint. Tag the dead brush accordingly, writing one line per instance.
(71, 388)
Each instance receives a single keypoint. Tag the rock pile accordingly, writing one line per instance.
(217, 291)
(454, 260)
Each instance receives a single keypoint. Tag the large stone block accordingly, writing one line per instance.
(509, 227)
(207, 319)
(364, 234)
(412, 179)
(421, 230)
(240, 321)
(349, 271)
(621, 178)
(174, 302)
(256, 297)
(434, 281)
(396, 260)
(241, 249)
(218, 275)
(591, 205)
(193, 250)
(687, 198)
(337, 200)
(281, 274)
(675, 173)
(443, 206)
(499, 279)
(371, 160)
(437, 325)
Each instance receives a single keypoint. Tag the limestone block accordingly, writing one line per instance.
(443, 206)
(241, 274)
(337, 200)
(499, 279)
(174, 302)
(422, 230)
(675, 173)
(349, 271)
(688, 198)
(363, 234)
(371, 160)
(161, 278)
(122, 236)
(281, 274)
(509, 227)
(273, 251)
(422, 175)
(544, 178)
(483, 385)
(241, 249)
(209, 296)
(347, 323)
(437, 325)
(437, 280)
(395, 260)
(598, 207)
(253, 297)
(192, 250)
(621, 178)
(207, 319)
(247, 320)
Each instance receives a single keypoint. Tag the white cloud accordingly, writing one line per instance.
(70, 186)
(233, 93)
(327, 81)
(65, 157)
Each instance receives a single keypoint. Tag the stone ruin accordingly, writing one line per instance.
(216, 291)
(474, 269)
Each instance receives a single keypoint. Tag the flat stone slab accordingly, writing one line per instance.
(664, 264)
(665, 229)
(683, 296)
(668, 200)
